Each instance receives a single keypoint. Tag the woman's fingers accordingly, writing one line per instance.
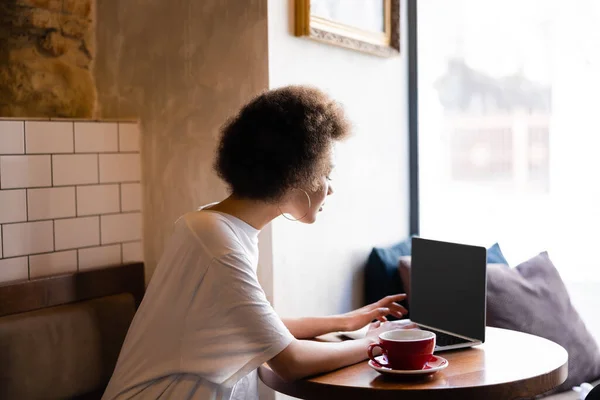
(388, 305)
(396, 309)
(375, 325)
(392, 309)
(380, 314)
(391, 299)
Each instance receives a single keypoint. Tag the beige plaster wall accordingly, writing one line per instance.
(180, 67)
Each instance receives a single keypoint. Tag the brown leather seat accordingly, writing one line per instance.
(64, 351)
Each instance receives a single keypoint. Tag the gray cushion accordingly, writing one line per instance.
(65, 351)
(532, 298)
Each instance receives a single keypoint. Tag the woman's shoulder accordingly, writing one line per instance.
(211, 229)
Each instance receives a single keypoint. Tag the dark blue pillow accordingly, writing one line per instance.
(381, 272)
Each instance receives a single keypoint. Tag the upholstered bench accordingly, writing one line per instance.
(60, 336)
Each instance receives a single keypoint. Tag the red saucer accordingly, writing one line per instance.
(434, 365)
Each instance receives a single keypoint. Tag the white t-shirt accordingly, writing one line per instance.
(205, 324)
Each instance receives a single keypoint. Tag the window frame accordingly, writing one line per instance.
(413, 117)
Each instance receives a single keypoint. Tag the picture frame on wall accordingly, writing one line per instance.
(370, 26)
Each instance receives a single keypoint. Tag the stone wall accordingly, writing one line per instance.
(46, 58)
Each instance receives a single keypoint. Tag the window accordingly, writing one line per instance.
(509, 127)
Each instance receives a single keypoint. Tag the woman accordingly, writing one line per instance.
(205, 325)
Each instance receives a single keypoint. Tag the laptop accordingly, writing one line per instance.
(448, 292)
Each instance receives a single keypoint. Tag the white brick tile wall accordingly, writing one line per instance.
(52, 263)
(13, 269)
(49, 203)
(61, 211)
(129, 137)
(95, 257)
(72, 233)
(131, 197)
(120, 168)
(13, 206)
(48, 137)
(12, 139)
(121, 227)
(76, 169)
(133, 252)
(24, 171)
(97, 199)
(96, 137)
(27, 238)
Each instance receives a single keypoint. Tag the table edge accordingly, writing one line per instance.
(306, 388)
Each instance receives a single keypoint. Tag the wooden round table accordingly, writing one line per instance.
(509, 365)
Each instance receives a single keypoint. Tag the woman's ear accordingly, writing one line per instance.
(296, 204)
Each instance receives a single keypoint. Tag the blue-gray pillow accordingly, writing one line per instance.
(495, 256)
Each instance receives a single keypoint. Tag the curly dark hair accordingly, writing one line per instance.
(278, 141)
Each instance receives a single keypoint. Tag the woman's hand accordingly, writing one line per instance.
(377, 328)
(377, 311)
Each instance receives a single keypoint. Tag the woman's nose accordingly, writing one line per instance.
(329, 190)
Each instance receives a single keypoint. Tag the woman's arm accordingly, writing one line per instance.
(304, 358)
(308, 328)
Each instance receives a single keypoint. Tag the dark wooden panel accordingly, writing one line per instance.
(40, 293)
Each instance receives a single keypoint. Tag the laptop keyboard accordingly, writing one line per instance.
(443, 339)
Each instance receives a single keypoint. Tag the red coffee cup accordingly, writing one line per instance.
(404, 349)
